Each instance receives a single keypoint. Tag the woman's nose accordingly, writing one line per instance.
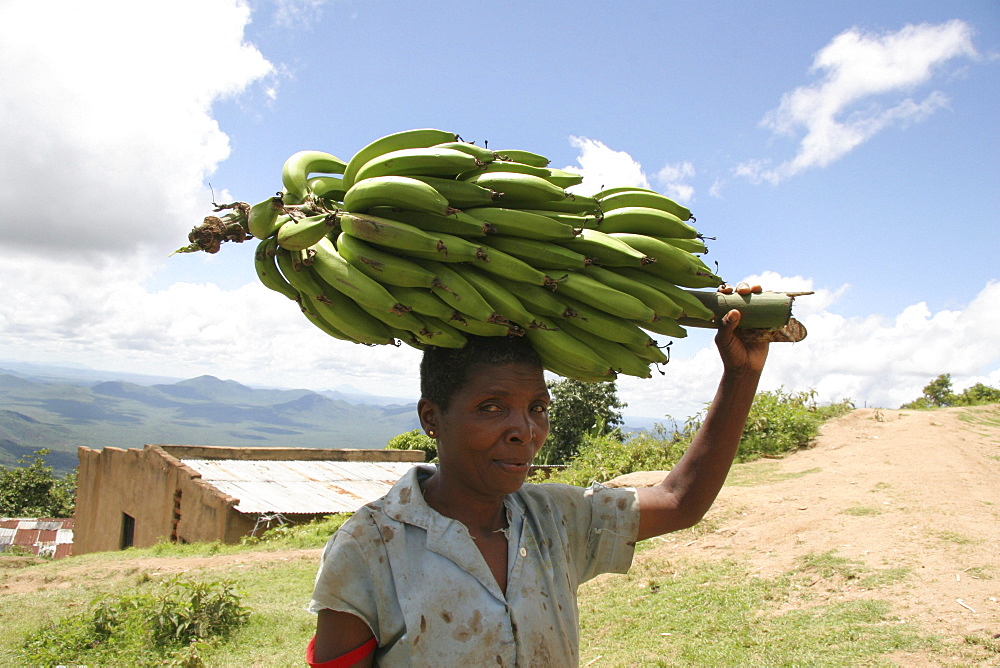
(522, 429)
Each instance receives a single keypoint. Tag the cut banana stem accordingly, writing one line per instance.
(767, 310)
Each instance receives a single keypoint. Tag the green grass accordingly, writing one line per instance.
(718, 614)
(861, 510)
(763, 473)
(986, 416)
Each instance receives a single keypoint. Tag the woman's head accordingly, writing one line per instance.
(486, 404)
(443, 371)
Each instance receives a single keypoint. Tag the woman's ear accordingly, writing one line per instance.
(429, 417)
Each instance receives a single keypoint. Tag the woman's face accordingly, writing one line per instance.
(493, 428)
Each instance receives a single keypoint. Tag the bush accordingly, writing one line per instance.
(34, 491)
(141, 628)
(939, 394)
(415, 440)
(779, 422)
(299, 536)
(782, 422)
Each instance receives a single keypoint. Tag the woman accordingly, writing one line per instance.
(465, 565)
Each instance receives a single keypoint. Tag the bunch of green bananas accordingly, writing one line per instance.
(422, 238)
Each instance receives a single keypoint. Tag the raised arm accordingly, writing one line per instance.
(688, 491)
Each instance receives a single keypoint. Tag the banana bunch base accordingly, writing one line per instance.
(424, 239)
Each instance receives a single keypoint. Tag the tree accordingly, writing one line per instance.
(939, 394)
(414, 440)
(578, 409)
(33, 491)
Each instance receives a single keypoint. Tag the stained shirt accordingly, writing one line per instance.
(421, 584)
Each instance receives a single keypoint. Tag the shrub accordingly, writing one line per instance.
(779, 422)
(414, 440)
(140, 628)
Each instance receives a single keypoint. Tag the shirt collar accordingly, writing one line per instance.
(405, 501)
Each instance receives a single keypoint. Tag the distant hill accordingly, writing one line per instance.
(62, 414)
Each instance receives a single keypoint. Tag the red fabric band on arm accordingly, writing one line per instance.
(344, 660)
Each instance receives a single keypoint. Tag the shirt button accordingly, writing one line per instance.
(523, 552)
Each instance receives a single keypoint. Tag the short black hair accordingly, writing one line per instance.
(444, 371)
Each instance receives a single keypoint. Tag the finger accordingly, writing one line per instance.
(731, 320)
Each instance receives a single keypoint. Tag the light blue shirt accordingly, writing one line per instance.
(421, 584)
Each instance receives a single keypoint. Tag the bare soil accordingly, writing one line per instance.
(910, 493)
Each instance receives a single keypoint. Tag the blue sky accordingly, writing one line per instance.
(848, 148)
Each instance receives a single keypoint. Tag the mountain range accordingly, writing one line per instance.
(62, 409)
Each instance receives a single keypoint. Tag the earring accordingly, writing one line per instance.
(430, 432)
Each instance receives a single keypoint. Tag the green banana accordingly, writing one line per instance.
(644, 198)
(501, 299)
(408, 239)
(621, 189)
(297, 168)
(662, 305)
(267, 269)
(590, 291)
(401, 318)
(503, 264)
(569, 204)
(666, 327)
(263, 219)
(480, 328)
(554, 343)
(306, 232)
(644, 220)
(480, 153)
(576, 221)
(456, 330)
(331, 306)
(518, 223)
(539, 254)
(422, 301)
(677, 266)
(458, 293)
(527, 157)
(460, 194)
(420, 138)
(509, 166)
(430, 161)
(603, 324)
(386, 268)
(620, 358)
(691, 305)
(520, 187)
(395, 191)
(538, 299)
(559, 366)
(351, 281)
(564, 178)
(328, 187)
(605, 249)
(309, 310)
(458, 223)
(693, 246)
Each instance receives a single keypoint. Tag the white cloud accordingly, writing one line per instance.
(860, 93)
(298, 13)
(107, 132)
(110, 321)
(603, 167)
(873, 361)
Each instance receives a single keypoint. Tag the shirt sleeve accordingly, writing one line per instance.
(599, 524)
(345, 582)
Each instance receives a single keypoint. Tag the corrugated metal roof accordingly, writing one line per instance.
(43, 537)
(296, 486)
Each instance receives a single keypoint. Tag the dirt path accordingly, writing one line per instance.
(915, 494)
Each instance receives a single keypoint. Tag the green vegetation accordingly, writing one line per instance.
(167, 620)
(415, 440)
(719, 614)
(35, 491)
(579, 409)
(939, 394)
(779, 422)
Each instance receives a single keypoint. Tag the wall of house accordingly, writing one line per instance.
(165, 498)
